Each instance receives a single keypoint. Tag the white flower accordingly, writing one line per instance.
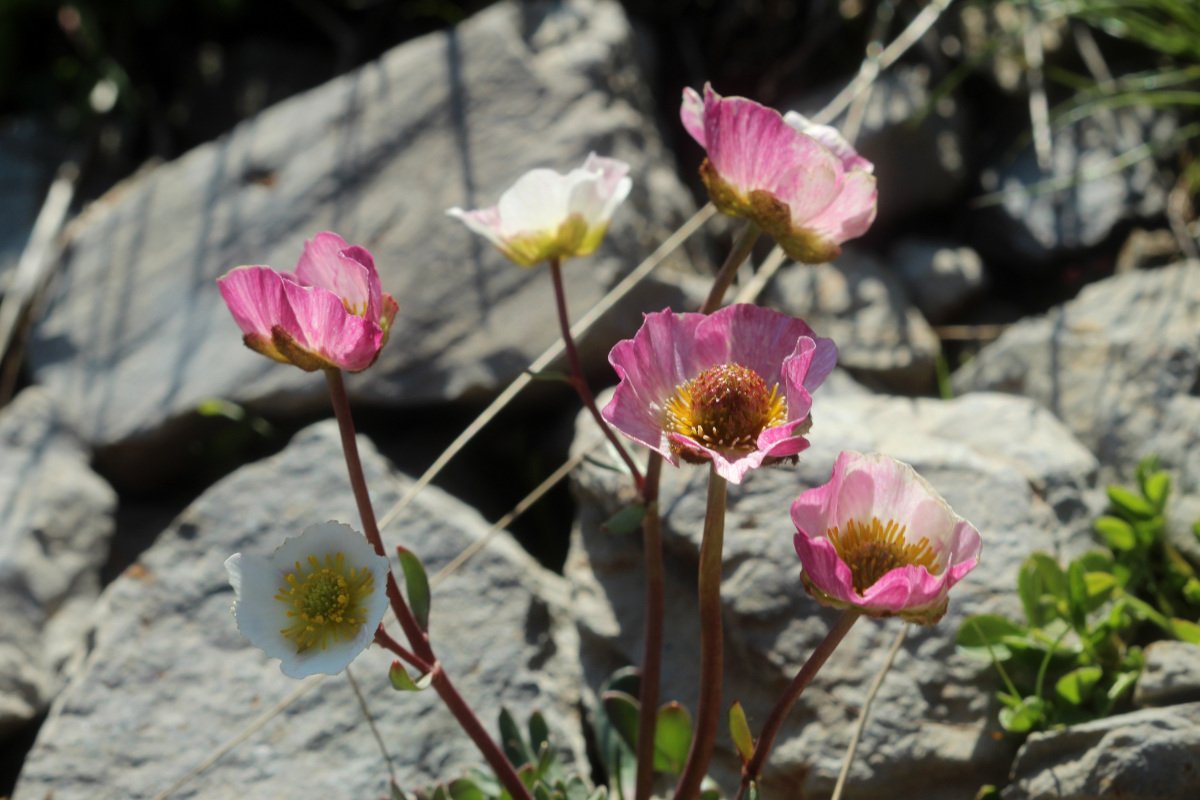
(549, 215)
(315, 603)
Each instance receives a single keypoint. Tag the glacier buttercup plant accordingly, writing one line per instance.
(803, 185)
(879, 539)
(331, 313)
(732, 387)
(547, 215)
(315, 602)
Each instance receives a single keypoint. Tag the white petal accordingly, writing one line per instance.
(538, 201)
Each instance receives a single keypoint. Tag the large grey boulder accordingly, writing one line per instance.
(1171, 674)
(881, 336)
(1145, 755)
(932, 732)
(136, 334)
(170, 680)
(1119, 365)
(56, 519)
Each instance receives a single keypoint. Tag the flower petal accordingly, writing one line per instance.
(832, 139)
(348, 272)
(325, 328)
(691, 113)
(256, 299)
(850, 214)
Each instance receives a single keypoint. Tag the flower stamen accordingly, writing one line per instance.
(326, 601)
(725, 408)
(873, 549)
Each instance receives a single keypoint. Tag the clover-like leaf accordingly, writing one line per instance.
(416, 584)
(672, 738)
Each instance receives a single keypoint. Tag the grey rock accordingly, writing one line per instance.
(1119, 365)
(1145, 755)
(1171, 674)
(882, 339)
(56, 519)
(1081, 200)
(170, 680)
(1004, 463)
(137, 335)
(941, 277)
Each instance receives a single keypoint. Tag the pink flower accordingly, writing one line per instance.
(880, 539)
(732, 387)
(330, 314)
(805, 185)
(548, 215)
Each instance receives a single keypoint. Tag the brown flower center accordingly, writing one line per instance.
(873, 549)
(725, 407)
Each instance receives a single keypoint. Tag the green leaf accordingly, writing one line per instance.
(1196, 528)
(540, 793)
(465, 789)
(1023, 716)
(981, 631)
(1100, 586)
(417, 586)
(1078, 596)
(539, 731)
(397, 793)
(987, 792)
(513, 743)
(401, 681)
(1191, 591)
(672, 738)
(1124, 682)
(622, 712)
(1118, 534)
(1076, 686)
(1042, 587)
(739, 732)
(1157, 487)
(1132, 504)
(1185, 631)
(626, 521)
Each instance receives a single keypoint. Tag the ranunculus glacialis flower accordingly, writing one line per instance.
(878, 538)
(733, 387)
(549, 215)
(802, 183)
(315, 602)
(330, 313)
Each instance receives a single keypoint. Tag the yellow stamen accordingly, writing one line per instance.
(325, 600)
(873, 549)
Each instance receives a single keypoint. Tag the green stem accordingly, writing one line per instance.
(742, 246)
(579, 381)
(753, 768)
(712, 644)
(416, 637)
(653, 617)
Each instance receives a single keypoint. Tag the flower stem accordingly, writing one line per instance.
(416, 637)
(816, 660)
(712, 643)
(742, 246)
(362, 498)
(464, 715)
(653, 618)
(577, 377)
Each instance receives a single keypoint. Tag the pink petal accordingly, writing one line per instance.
(349, 273)
(849, 215)
(255, 297)
(824, 567)
(832, 139)
(734, 470)
(661, 356)
(324, 327)
(751, 147)
(781, 440)
(691, 113)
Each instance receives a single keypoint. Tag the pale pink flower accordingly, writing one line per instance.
(732, 387)
(330, 313)
(878, 538)
(549, 215)
(805, 186)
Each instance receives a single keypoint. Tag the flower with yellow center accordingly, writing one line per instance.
(880, 539)
(315, 603)
(732, 387)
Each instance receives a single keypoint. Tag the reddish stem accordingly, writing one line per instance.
(652, 654)
(577, 378)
